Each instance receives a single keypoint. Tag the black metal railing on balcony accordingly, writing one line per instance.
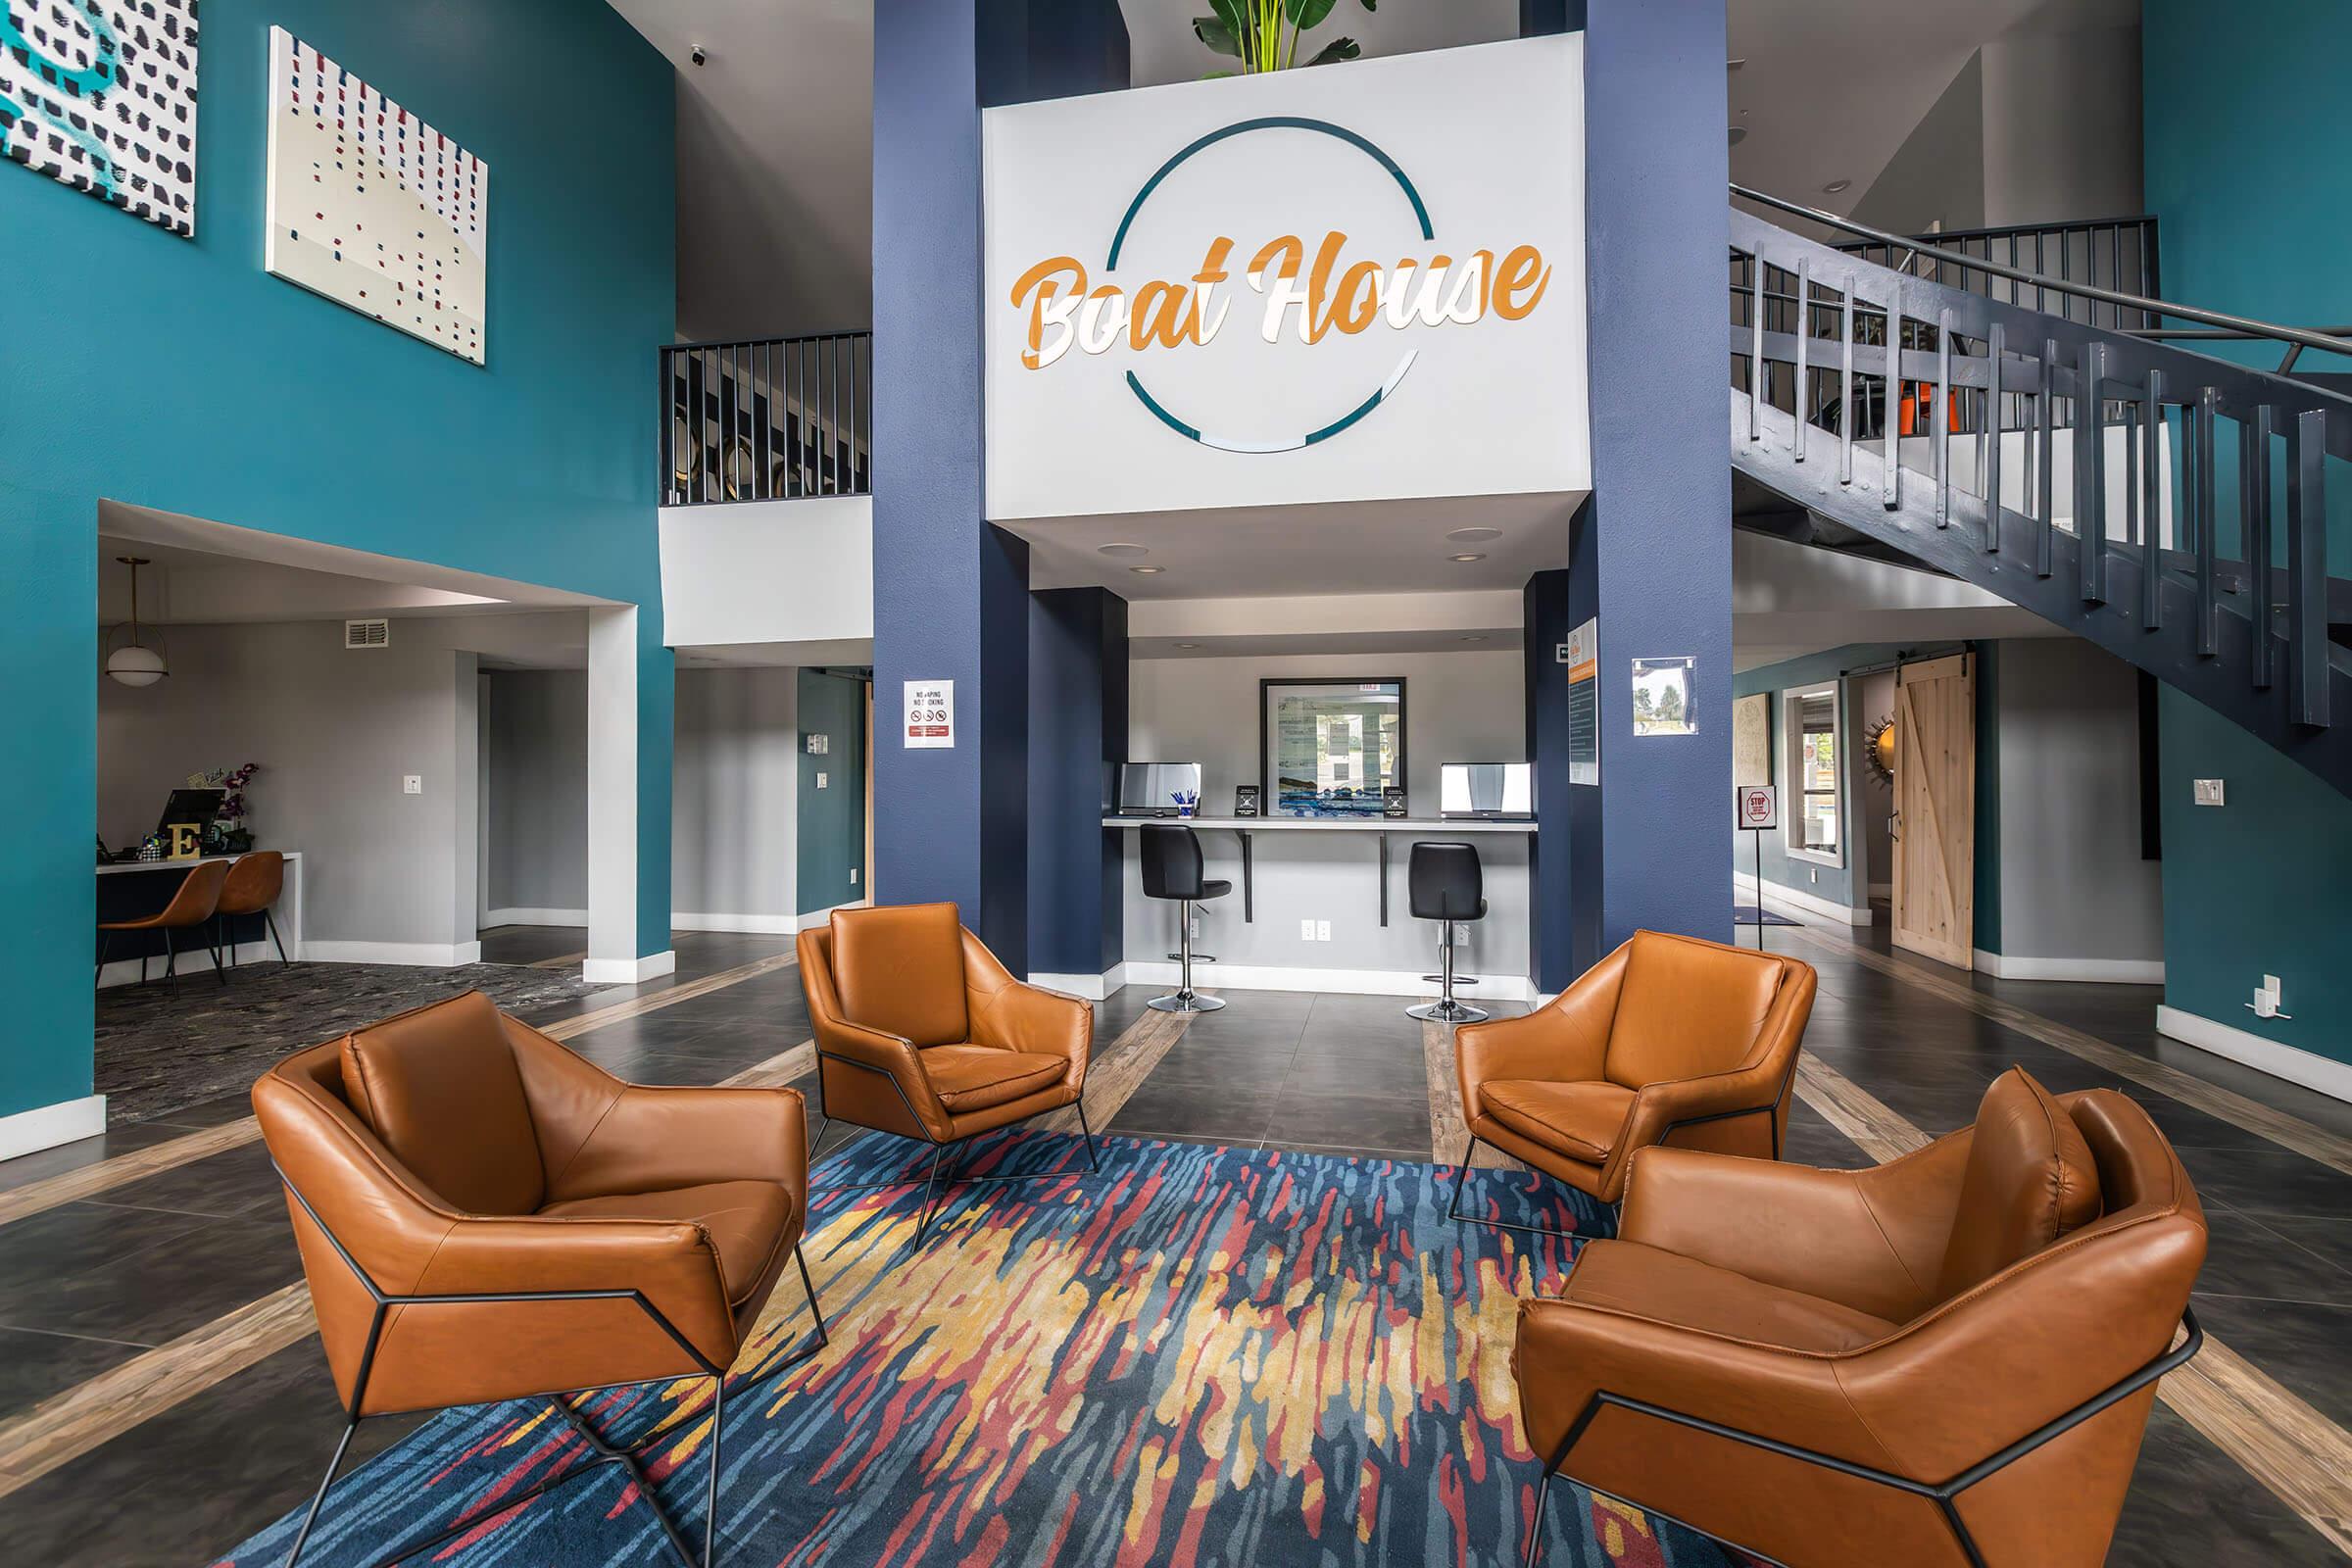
(2116, 254)
(767, 419)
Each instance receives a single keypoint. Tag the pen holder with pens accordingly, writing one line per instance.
(1186, 801)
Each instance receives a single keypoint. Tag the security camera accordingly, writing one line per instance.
(698, 55)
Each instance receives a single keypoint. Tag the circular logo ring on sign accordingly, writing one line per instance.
(1290, 443)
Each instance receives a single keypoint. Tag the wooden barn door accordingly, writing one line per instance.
(1935, 825)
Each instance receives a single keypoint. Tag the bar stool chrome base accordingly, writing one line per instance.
(1187, 1002)
(1445, 1010)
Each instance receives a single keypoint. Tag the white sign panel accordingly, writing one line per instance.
(930, 716)
(1359, 283)
(1757, 805)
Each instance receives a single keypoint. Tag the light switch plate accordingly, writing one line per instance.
(2209, 792)
(820, 778)
(412, 784)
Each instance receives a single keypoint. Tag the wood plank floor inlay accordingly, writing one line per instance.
(1113, 1076)
(2288, 1132)
(105, 1174)
(2304, 1458)
(1450, 1130)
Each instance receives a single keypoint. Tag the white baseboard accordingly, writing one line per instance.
(2324, 1074)
(2104, 971)
(759, 925)
(418, 954)
(1349, 982)
(524, 916)
(629, 971)
(126, 971)
(1788, 901)
(1093, 987)
(28, 1132)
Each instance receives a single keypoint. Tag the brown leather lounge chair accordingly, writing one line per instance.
(922, 1033)
(483, 1215)
(1944, 1360)
(1668, 1039)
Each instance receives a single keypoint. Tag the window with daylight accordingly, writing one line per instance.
(1814, 813)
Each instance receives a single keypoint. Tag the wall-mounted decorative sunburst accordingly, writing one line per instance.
(1877, 750)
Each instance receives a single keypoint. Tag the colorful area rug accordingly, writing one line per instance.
(1198, 1356)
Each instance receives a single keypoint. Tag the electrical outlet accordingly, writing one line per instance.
(1322, 930)
(853, 873)
(2209, 792)
(412, 784)
(1813, 873)
(1307, 930)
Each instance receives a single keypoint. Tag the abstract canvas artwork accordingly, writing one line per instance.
(101, 95)
(370, 206)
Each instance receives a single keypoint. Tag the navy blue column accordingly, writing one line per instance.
(950, 592)
(1077, 736)
(1651, 555)
(1551, 960)
(1538, 17)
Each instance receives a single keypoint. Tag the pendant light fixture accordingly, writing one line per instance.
(134, 663)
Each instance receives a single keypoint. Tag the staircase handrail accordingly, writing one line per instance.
(2244, 325)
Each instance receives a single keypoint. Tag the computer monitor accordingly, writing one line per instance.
(190, 806)
(1150, 789)
(1501, 790)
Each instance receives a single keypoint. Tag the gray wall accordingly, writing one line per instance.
(2073, 883)
(732, 796)
(1937, 174)
(1873, 697)
(535, 790)
(333, 732)
(2062, 125)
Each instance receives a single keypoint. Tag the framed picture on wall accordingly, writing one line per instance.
(1331, 748)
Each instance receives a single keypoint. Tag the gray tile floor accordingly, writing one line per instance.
(87, 1285)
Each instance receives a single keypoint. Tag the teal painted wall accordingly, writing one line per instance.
(1835, 883)
(2260, 885)
(2251, 219)
(176, 374)
(830, 867)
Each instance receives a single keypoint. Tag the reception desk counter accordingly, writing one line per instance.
(1381, 828)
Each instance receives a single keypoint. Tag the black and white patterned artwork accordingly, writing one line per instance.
(370, 206)
(101, 95)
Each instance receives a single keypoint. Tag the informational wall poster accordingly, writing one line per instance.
(1581, 653)
(1301, 287)
(930, 716)
(1662, 697)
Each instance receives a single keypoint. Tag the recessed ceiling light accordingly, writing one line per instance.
(1121, 550)
(1147, 571)
(1837, 185)
(1474, 536)
(1188, 645)
(1468, 555)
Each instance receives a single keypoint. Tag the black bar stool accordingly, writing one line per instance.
(1172, 869)
(1446, 886)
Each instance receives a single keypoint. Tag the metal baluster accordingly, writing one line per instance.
(666, 439)
(798, 410)
(850, 374)
(2208, 407)
(1804, 331)
(2254, 490)
(1846, 412)
(763, 418)
(1755, 348)
(1895, 402)
(2307, 569)
(1942, 438)
(1992, 466)
(2046, 406)
(2151, 488)
(833, 402)
(2090, 471)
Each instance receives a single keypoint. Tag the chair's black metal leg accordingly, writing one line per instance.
(1453, 1210)
(170, 963)
(719, 1426)
(219, 973)
(823, 1336)
(1087, 1132)
(1535, 1530)
(824, 1128)
(319, 1496)
(1461, 1174)
(929, 1183)
(606, 1452)
(272, 921)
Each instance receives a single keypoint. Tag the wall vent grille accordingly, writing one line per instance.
(366, 634)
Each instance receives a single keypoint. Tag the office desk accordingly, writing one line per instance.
(131, 889)
(1381, 828)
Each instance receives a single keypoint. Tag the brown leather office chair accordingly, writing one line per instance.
(1667, 1040)
(484, 1215)
(1944, 1360)
(922, 1033)
(192, 905)
(255, 881)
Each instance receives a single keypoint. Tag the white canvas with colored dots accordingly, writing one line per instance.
(370, 206)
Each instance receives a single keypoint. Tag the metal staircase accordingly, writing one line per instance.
(2168, 506)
